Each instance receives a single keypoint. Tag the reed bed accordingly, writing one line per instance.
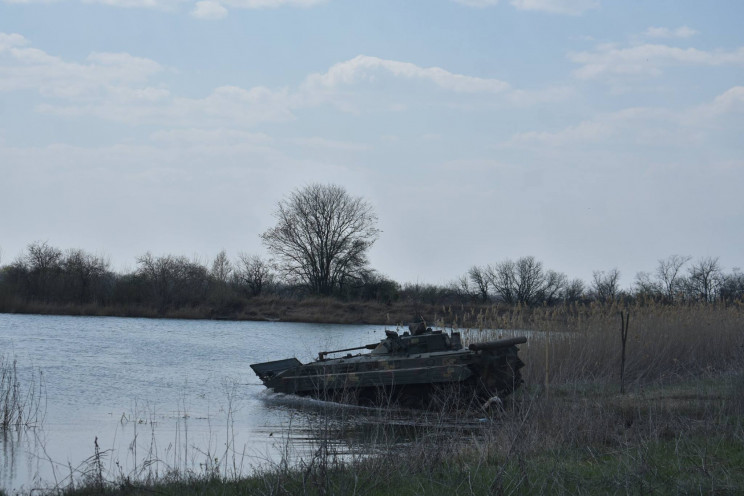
(21, 401)
(577, 344)
(686, 439)
(677, 428)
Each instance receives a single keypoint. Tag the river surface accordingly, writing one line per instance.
(157, 395)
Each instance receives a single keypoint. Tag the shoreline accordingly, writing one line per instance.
(272, 309)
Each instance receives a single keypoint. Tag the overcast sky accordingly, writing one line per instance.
(591, 134)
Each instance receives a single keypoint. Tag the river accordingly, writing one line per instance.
(157, 395)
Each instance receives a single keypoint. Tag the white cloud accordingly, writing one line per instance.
(363, 68)
(646, 60)
(28, 1)
(31, 68)
(8, 40)
(584, 132)
(146, 4)
(225, 106)
(122, 87)
(729, 102)
(572, 7)
(546, 95)
(317, 142)
(208, 10)
(638, 126)
(272, 4)
(209, 137)
(477, 3)
(205, 9)
(680, 32)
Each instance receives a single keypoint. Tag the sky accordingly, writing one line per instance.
(590, 134)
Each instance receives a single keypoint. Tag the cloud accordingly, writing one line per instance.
(273, 4)
(646, 60)
(680, 32)
(545, 95)
(729, 102)
(208, 10)
(363, 68)
(28, 1)
(317, 142)
(9, 40)
(585, 132)
(204, 9)
(124, 88)
(209, 137)
(224, 106)
(638, 126)
(571, 7)
(477, 3)
(23, 67)
(167, 5)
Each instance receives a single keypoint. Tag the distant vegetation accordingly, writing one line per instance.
(47, 279)
(319, 271)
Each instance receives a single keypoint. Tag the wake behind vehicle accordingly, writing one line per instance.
(421, 368)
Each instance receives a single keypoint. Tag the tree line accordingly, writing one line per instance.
(319, 247)
(677, 279)
(44, 274)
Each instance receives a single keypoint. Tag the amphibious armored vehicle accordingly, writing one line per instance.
(416, 369)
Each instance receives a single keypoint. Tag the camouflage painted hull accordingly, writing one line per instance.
(414, 379)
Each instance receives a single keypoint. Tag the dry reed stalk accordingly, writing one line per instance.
(665, 342)
(21, 405)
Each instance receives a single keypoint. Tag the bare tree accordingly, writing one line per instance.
(732, 285)
(44, 265)
(253, 273)
(646, 286)
(668, 273)
(479, 277)
(574, 290)
(83, 271)
(322, 236)
(554, 287)
(525, 281)
(503, 279)
(705, 278)
(173, 280)
(605, 284)
(461, 286)
(221, 268)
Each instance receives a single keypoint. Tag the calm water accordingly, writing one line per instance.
(181, 392)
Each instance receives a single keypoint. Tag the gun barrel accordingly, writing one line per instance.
(494, 345)
(322, 354)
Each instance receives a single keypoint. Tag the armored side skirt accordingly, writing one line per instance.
(297, 381)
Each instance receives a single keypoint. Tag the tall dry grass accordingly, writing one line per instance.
(21, 401)
(582, 343)
(678, 429)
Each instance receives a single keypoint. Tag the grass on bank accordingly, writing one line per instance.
(687, 439)
(677, 430)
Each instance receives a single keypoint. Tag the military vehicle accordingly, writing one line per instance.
(421, 368)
